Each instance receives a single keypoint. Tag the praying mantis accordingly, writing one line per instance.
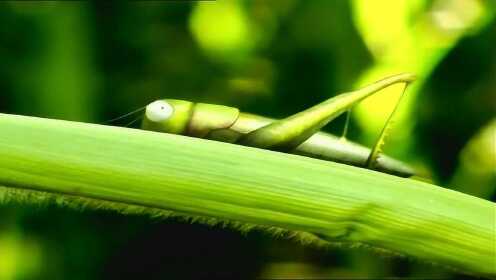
(297, 134)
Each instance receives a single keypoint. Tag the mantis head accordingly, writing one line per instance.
(167, 115)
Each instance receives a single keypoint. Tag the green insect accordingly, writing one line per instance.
(296, 134)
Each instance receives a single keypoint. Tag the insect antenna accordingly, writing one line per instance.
(133, 121)
(125, 116)
(377, 150)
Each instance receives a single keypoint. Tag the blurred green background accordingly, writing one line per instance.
(93, 61)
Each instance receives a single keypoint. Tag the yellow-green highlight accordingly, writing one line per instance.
(20, 256)
(221, 28)
(409, 36)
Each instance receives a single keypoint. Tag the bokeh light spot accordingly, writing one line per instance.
(221, 28)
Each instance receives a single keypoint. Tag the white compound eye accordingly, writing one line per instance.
(158, 111)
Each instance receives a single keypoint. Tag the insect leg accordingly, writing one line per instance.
(377, 149)
(346, 125)
(288, 133)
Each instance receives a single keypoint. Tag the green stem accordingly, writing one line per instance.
(336, 202)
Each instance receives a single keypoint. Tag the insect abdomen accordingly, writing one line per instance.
(328, 147)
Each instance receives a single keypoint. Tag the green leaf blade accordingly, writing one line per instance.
(336, 202)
